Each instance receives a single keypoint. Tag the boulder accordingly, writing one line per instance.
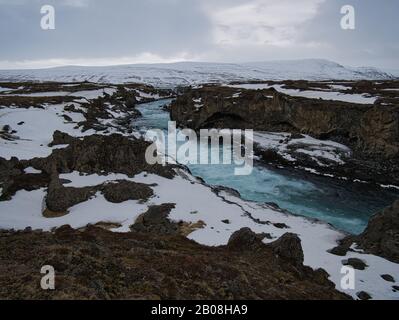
(388, 277)
(355, 263)
(155, 220)
(124, 190)
(59, 198)
(289, 247)
(381, 236)
(61, 138)
(362, 295)
(244, 238)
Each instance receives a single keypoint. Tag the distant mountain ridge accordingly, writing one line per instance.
(192, 73)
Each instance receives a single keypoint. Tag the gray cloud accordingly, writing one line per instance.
(124, 31)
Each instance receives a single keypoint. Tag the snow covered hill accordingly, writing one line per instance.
(192, 73)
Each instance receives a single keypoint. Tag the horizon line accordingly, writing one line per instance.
(185, 61)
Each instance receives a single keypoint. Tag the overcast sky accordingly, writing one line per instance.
(105, 32)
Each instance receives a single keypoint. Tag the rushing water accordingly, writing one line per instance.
(345, 205)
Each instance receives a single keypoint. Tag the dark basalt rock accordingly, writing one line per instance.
(122, 102)
(289, 247)
(245, 238)
(67, 118)
(27, 102)
(362, 295)
(297, 136)
(381, 237)
(101, 154)
(24, 181)
(270, 156)
(281, 225)
(124, 190)
(92, 154)
(59, 198)
(61, 138)
(13, 178)
(355, 263)
(7, 133)
(9, 168)
(388, 277)
(228, 190)
(155, 220)
(370, 131)
(343, 247)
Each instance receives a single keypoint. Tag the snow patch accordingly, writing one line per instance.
(312, 94)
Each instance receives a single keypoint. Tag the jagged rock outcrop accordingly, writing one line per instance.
(378, 132)
(93, 155)
(374, 130)
(61, 138)
(288, 247)
(13, 178)
(381, 237)
(59, 198)
(123, 190)
(155, 220)
(245, 239)
(9, 168)
(371, 131)
(101, 154)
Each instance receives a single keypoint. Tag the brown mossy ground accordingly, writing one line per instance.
(98, 264)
